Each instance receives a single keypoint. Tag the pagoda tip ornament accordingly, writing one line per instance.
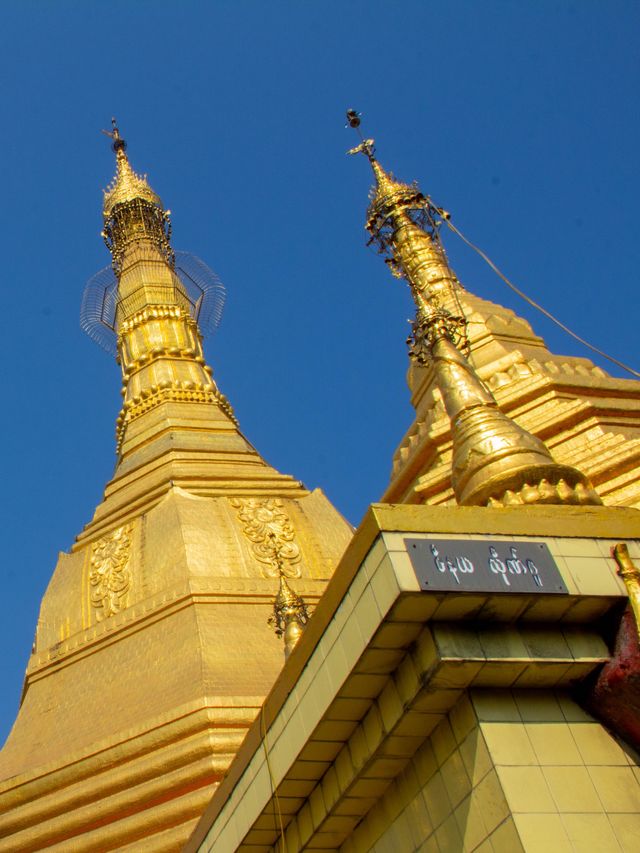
(132, 210)
(495, 461)
(126, 184)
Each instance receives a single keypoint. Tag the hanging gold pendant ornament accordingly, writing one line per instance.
(290, 615)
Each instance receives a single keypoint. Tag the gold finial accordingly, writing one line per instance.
(630, 574)
(495, 461)
(290, 614)
(387, 192)
(132, 211)
(126, 184)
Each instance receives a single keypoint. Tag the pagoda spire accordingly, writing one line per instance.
(495, 461)
(175, 430)
(159, 343)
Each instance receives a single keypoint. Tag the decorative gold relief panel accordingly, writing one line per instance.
(271, 533)
(109, 576)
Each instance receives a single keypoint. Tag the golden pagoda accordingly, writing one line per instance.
(153, 651)
(425, 689)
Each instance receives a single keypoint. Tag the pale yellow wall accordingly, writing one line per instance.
(506, 772)
(345, 742)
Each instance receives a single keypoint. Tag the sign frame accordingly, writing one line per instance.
(484, 565)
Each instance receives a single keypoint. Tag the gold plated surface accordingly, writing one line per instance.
(109, 576)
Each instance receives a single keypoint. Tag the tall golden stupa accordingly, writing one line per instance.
(143, 724)
(153, 651)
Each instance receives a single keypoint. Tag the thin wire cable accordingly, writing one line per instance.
(535, 305)
(263, 728)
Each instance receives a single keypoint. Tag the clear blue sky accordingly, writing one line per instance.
(520, 118)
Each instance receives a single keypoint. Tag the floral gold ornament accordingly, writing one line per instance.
(109, 576)
(271, 533)
(495, 461)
